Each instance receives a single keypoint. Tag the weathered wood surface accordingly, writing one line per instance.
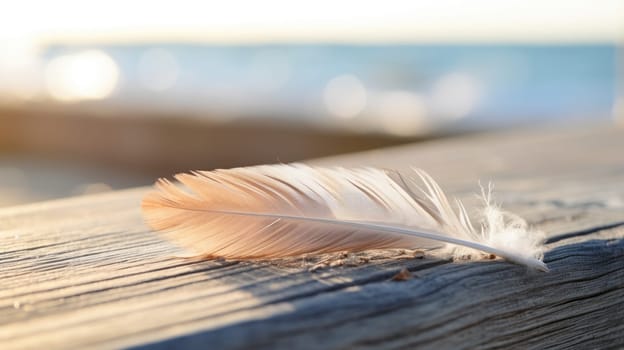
(86, 272)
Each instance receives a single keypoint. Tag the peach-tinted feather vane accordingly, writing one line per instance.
(273, 211)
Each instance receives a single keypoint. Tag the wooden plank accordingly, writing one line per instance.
(86, 271)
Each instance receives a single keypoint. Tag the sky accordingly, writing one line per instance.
(234, 21)
(28, 26)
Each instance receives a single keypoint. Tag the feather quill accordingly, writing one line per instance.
(273, 211)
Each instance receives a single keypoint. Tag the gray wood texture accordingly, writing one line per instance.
(87, 273)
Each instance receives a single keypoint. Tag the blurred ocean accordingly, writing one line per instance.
(391, 88)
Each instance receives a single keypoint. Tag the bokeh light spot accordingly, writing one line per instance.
(345, 96)
(158, 69)
(402, 113)
(88, 75)
(455, 95)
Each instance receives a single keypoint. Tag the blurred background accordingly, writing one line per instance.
(104, 95)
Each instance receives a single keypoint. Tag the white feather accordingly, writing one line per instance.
(285, 210)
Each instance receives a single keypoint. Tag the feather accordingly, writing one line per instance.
(273, 211)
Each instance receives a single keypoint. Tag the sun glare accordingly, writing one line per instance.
(323, 20)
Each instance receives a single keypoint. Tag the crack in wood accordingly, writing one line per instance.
(584, 232)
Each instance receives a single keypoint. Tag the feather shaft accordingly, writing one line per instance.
(530, 262)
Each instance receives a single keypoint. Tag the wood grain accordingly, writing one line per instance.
(87, 273)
